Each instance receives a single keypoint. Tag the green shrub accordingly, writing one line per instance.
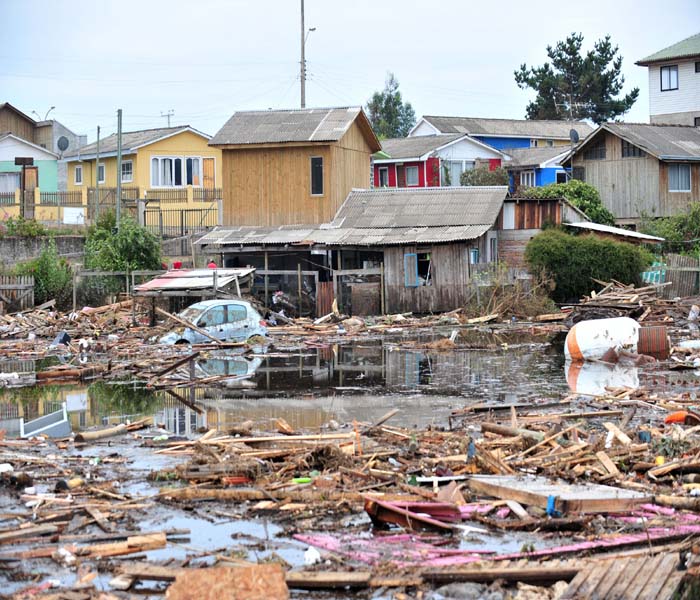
(53, 278)
(21, 227)
(484, 176)
(681, 231)
(573, 261)
(132, 247)
(582, 195)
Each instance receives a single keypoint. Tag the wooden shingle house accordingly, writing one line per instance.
(282, 167)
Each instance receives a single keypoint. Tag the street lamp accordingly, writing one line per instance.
(45, 116)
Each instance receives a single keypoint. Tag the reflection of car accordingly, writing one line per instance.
(229, 320)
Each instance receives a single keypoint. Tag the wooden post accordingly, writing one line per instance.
(215, 283)
(382, 307)
(299, 286)
(266, 280)
(238, 286)
(75, 291)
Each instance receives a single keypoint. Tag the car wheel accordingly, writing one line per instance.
(181, 342)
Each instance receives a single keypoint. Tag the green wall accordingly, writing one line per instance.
(48, 173)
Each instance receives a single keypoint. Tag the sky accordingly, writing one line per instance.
(205, 59)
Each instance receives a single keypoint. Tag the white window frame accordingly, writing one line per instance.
(417, 183)
(78, 180)
(104, 173)
(669, 69)
(690, 177)
(183, 170)
(379, 172)
(131, 178)
(528, 175)
(564, 173)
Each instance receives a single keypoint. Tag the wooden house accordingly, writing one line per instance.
(282, 167)
(641, 169)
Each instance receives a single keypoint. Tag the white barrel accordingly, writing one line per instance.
(594, 378)
(590, 340)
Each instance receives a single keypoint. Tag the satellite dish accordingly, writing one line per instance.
(573, 136)
(63, 143)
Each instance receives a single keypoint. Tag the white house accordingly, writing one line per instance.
(674, 83)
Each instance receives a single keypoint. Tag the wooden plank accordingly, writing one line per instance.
(27, 532)
(638, 573)
(311, 580)
(620, 435)
(607, 463)
(667, 567)
(595, 574)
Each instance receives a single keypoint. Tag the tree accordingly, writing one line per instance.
(132, 247)
(53, 277)
(587, 85)
(582, 195)
(389, 115)
(484, 176)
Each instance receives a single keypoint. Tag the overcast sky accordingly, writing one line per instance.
(204, 59)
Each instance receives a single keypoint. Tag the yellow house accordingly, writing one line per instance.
(160, 163)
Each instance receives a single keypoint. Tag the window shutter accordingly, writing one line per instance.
(410, 270)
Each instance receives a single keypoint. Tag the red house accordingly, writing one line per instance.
(431, 160)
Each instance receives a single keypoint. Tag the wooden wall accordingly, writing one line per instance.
(271, 185)
(511, 245)
(532, 214)
(627, 186)
(677, 202)
(11, 122)
(451, 276)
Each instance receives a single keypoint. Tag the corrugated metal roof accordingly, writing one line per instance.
(533, 157)
(663, 141)
(413, 147)
(133, 139)
(192, 279)
(686, 48)
(385, 218)
(279, 126)
(508, 127)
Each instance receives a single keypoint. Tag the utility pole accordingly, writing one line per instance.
(167, 115)
(97, 176)
(119, 167)
(302, 62)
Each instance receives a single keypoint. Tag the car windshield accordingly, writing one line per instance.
(192, 313)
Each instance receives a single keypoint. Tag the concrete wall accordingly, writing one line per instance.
(683, 118)
(14, 250)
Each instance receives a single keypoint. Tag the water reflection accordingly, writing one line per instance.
(308, 386)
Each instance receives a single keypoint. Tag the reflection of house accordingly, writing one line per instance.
(674, 83)
(503, 134)
(637, 168)
(535, 167)
(51, 135)
(283, 167)
(160, 161)
(430, 160)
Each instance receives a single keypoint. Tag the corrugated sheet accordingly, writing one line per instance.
(276, 126)
(685, 48)
(508, 127)
(679, 141)
(413, 147)
(384, 218)
(532, 157)
(131, 139)
(616, 231)
(192, 279)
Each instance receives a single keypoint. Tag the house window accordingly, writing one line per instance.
(561, 177)
(509, 215)
(452, 172)
(678, 177)
(193, 170)
(697, 121)
(579, 173)
(166, 171)
(411, 176)
(596, 151)
(78, 175)
(533, 143)
(669, 78)
(550, 143)
(100, 173)
(127, 171)
(425, 270)
(474, 256)
(317, 176)
(9, 182)
(631, 151)
(697, 66)
(383, 177)
(410, 270)
(527, 178)
(493, 249)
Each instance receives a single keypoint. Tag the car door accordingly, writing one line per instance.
(213, 321)
(238, 322)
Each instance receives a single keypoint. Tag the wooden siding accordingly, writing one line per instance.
(511, 245)
(450, 274)
(271, 185)
(531, 214)
(672, 203)
(627, 186)
(11, 122)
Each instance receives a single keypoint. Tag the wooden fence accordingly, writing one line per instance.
(16, 292)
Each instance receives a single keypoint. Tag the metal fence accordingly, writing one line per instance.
(207, 194)
(97, 288)
(7, 198)
(291, 291)
(61, 198)
(168, 223)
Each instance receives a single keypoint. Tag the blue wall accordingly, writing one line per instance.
(502, 143)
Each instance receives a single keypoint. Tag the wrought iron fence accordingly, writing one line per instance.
(167, 223)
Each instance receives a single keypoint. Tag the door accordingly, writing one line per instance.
(30, 176)
(208, 179)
